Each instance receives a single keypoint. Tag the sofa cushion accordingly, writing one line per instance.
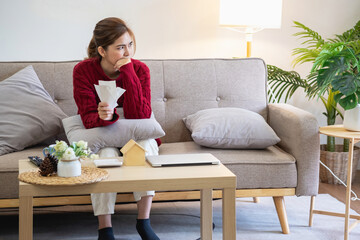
(28, 113)
(10, 162)
(261, 168)
(265, 168)
(9, 170)
(114, 135)
(234, 128)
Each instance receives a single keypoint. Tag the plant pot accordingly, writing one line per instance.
(352, 119)
(69, 168)
(337, 162)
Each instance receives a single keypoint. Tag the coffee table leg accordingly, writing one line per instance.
(229, 214)
(26, 218)
(206, 209)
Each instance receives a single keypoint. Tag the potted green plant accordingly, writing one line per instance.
(337, 67)
(321, 53)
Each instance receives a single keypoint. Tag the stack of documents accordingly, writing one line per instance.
(108, 92)
(113, 162)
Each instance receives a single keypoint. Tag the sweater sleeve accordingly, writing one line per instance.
(86, 99)
(137, 98)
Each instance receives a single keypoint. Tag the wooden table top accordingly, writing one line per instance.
(339, 131)
(140, 178)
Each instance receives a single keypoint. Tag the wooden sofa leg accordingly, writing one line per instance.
(281, 211)
(256, 199)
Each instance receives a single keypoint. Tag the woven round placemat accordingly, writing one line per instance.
(88, 175)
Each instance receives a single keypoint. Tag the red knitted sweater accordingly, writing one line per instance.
(134, 78)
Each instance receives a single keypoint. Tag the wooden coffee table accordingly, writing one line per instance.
(141, 178)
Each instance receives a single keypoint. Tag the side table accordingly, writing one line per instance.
(354, 137)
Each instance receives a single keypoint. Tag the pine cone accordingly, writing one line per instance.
(53, 160)
(48, 166)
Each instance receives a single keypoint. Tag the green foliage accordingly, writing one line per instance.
(348, 36)
(337, 67)
(287, 82)
(281, 82)
(313, 41)
(328, 58)
(334, 77)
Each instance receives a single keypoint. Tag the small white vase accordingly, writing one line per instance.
(352, 119)
(69, 168)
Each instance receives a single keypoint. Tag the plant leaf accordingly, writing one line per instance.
(345, 84)
(284, 82)
(313, 42)
(338, 96)
(348, 102)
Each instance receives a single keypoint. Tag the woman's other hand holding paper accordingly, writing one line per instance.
(105, 112)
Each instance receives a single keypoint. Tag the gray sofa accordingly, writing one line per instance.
(183, 87)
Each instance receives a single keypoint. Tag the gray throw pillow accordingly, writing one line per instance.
(28, 115)
(234, 128)
(114, 135)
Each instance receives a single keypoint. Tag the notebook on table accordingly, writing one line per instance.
(182, 159)
(111, 162)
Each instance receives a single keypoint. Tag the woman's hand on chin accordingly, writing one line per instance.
(105, 113)
(121, 62)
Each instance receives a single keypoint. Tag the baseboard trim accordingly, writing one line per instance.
(159, 196)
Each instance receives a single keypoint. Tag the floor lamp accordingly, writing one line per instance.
(250, 16)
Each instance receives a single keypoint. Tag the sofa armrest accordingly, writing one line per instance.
(299, 134)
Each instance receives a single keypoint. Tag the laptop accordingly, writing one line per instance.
(182, 159)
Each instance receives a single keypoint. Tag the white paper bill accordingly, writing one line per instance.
(108, 92)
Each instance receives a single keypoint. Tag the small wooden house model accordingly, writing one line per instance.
(134, 154)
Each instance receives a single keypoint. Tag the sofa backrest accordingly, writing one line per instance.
(179, 87)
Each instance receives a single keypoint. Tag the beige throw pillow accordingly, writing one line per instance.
(114, 135)
(234, 128)
(28, 113)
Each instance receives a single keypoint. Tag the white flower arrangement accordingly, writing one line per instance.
(75, 150)
(69, 154)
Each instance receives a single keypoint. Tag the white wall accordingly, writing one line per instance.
(59, 30)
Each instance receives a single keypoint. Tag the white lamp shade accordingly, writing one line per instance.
(251, 13)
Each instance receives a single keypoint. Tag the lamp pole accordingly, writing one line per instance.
(248, 37)
(248, 49)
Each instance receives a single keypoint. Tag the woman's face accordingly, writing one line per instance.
(123, 47)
